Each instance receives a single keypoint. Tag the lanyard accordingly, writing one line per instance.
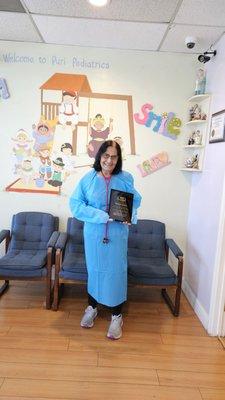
(107, 181)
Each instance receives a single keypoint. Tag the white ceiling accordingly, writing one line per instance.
(150, 25)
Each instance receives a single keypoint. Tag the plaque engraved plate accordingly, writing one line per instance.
(120, 205)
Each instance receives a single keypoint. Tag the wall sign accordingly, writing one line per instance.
(155, 163)
(166, 124)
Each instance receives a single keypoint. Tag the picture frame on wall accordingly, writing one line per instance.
(217, 128)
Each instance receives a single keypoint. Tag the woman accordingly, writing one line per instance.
(105, 241)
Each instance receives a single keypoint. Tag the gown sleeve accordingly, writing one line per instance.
(137, 196)
(84, 212)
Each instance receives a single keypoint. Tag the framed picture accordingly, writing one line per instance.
(217, 128)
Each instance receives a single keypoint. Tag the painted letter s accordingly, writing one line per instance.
(145, 110)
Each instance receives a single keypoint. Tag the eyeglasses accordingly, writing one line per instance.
(107, 156)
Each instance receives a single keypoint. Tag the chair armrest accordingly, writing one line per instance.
(174, 248)
(4, 234)
(53, 239)
(61, 241)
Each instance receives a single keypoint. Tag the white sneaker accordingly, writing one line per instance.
(88, 318)
(115, 327)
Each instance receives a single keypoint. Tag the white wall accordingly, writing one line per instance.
(165, 80)
(205, 203)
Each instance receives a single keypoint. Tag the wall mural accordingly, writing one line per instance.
(4, 92)
(73, 123)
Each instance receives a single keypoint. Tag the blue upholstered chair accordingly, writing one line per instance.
(29, 249)
(148, 251)
(70, 259)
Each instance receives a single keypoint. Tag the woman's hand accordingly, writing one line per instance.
(125, 223)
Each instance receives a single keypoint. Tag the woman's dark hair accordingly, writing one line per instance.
(102, 150)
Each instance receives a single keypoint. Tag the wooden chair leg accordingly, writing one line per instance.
(49, 278)
(177, 302)
(48, 289)
(168, 301)
(4, 287)
(174, 306)
(56, 293)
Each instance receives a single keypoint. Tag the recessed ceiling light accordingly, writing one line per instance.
(99, 3)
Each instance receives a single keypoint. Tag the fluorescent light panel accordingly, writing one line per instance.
(99, 3)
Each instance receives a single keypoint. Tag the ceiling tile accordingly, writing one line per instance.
(175, 39)
(100, 33)
(127, 10)
(12, 5)
(202, 12)
(17, 26)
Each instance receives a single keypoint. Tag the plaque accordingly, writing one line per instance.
(120, 205)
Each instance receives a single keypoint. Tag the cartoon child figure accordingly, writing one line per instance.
(57, 179)
(68, 110)
(26, 172)
(42, 134)
(45, 170)
(67, 157)
(21, 148)
(98, 133)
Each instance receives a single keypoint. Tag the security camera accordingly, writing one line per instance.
(204, 58)
(190, 42)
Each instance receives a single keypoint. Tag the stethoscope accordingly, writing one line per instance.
(105, 240)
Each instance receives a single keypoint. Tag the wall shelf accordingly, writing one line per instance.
(191, 169)
(199, 97)
(197, 121)
(196, 132)
(193, 146)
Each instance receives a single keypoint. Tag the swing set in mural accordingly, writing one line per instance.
(73, 124)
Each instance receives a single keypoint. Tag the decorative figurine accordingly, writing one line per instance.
(195, 113)
(191, 141)
(192, 162)
(200, 81)
(195, 138)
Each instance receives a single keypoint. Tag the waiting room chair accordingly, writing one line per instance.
(148, 251)
(29, 249)
(70, 266)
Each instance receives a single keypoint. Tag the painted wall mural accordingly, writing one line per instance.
(4, 92)
(72, 124)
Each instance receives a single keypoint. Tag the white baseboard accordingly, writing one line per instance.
(223, 328)
(196, 305)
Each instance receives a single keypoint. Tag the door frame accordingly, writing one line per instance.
(216, 321)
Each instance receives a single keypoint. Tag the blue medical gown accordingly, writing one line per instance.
(106, 263)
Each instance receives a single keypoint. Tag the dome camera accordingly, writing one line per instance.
(190, 42)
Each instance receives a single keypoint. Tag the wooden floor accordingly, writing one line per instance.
(46, 355)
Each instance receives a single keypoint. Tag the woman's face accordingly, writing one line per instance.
(109, 160)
